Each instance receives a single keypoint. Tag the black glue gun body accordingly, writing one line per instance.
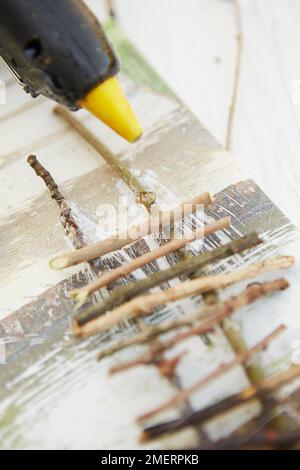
(55, 48)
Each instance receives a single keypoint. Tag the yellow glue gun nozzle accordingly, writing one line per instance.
(109, 104)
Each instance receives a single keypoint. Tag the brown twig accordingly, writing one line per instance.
(240, 358)
(80, 295)
(216, 315)
(144, 196)
(239, 38)
(155, 223)
(185, 267)
(111, 9)
(223, 406)
(144, 304)
(70, 226)
(261, 438)
(150, 333)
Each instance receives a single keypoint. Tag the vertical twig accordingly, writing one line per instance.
(239, 38)
(240, 358)
(70, 226)
(111, 8)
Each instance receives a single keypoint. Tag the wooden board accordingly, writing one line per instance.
(45, 371)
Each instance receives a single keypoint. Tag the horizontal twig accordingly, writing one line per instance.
(167, 366)
(144, 304)
(250, 294)
(155, 223)
(184, 267)
(80, 295)
(239, 359)
(217, 314)
(223, 406)
(261, 439)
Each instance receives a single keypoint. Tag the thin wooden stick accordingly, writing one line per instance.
(250, 294)
(222, 406)
(155, 223)
(150, 333)
(185, 267)
(261, 439)
(219, 314)
(144, 304)
(167, 366)
(111, 9)
(239, 38)
(144, 196)
(240, 358)
(68, 222)
(80, 295)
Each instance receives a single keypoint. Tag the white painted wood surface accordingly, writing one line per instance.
(192, 45)
(260, 135)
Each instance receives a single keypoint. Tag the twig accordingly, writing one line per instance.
(185, 267)
(232, 108)
(70, 226)
(275, 439)
(111, 9)
(144, 196)
(167, 366)
(144, 304)
(154, 223)
(240, 358)
(237, 341)
(152, 332)
(223, 406)
(216, 315)
(80, 295)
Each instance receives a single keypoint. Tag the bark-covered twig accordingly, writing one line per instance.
(80, 295)
(233, 104)
(167, 366)
(262, 438)
(144, 304)
(223, 406)
(216, 315)
(143, 195)
(185, 267)
(250, 294)
(239, 359)
(70, 226)
(150, 333)
(155, 223)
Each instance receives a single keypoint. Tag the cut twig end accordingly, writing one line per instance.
(58, 263)
(58, 110)
(147, 198)
(227, 221)
(248, 242)
(144, 437)
(167, 367)
(79, 296)
(284, 284)
(31, 159)
(286, 261)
